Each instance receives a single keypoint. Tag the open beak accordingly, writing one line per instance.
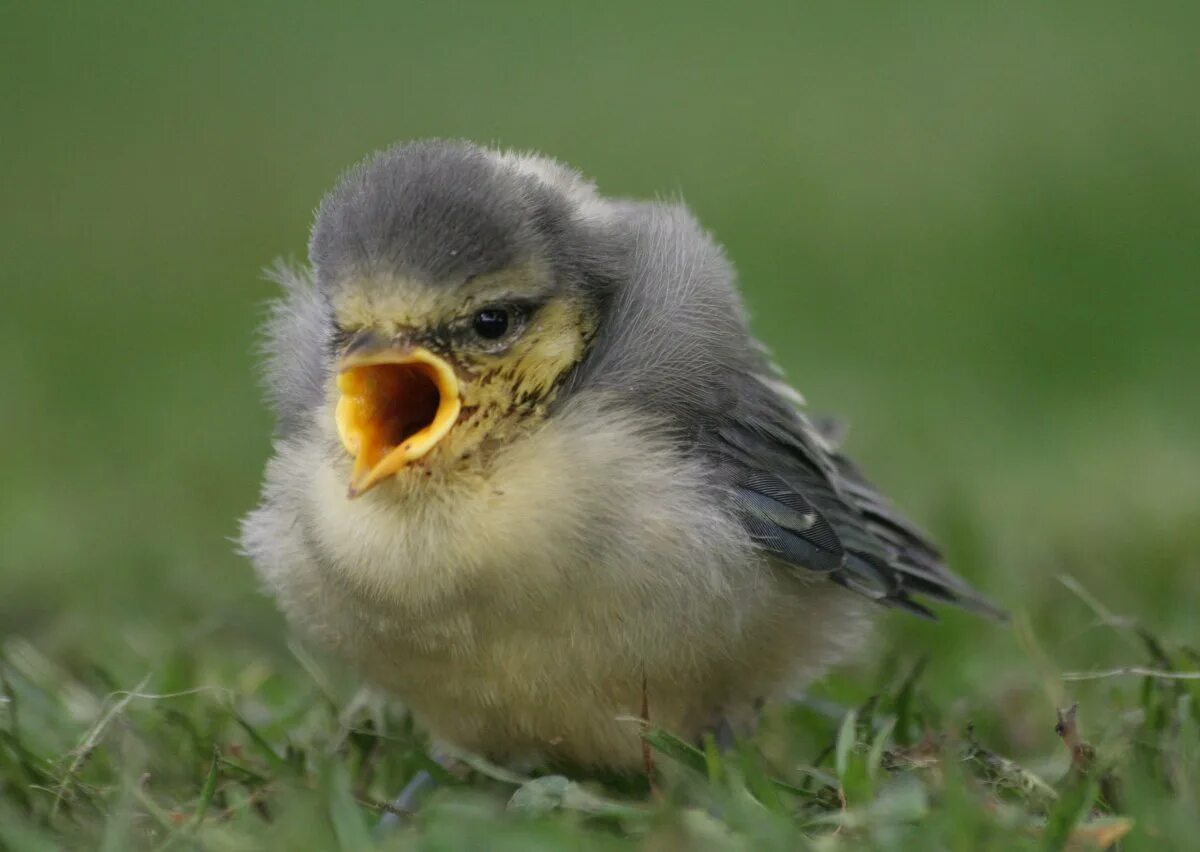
(395, 406)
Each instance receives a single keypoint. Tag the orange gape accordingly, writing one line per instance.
(394, 408)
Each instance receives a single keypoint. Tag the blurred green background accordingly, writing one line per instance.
(971, 229)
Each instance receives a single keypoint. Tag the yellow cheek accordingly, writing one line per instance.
(555, 346)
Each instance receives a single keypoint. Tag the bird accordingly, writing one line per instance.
(533, 475)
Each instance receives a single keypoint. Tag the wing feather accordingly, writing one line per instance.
(808, 505)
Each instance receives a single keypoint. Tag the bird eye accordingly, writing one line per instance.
(491, 323)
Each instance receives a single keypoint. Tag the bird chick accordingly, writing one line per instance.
(532, 472)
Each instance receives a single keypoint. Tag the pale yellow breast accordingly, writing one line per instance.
(518, 612)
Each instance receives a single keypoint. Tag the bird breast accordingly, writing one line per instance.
(518, 611)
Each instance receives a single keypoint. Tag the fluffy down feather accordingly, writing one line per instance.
(672, 520)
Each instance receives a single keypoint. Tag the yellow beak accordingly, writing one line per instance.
(395, 406)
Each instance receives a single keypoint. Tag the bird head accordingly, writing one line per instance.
(462, 287)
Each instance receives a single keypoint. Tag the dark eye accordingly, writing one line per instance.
(491, 323)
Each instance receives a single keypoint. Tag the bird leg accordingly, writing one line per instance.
(725, 729)
(408, 802)
(723, 735)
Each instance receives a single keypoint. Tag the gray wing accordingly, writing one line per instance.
(675, 342)
(808, 505)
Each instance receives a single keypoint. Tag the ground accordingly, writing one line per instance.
(970, 232)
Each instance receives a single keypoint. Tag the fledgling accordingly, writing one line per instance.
(532, 471)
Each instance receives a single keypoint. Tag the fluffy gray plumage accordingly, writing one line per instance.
(666, 514)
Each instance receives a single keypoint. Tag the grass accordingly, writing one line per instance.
(971, 231)
(289, 758)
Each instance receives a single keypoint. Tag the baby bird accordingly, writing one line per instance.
(533, 474)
